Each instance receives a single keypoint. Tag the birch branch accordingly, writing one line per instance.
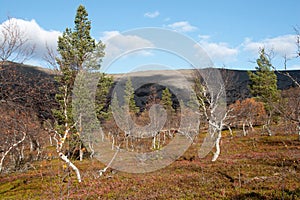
(69, 163)
(109, 164)
(9, 149)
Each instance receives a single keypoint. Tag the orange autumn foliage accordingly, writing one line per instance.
(248, 110)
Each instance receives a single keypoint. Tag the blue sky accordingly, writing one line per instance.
(231, 32)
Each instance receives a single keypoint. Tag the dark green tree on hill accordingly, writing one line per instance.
(263, 86)
(166, 100)
(129, 97)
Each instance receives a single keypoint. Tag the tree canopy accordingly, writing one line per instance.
(264, 81)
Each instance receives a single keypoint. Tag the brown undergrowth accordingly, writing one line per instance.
(249, 167)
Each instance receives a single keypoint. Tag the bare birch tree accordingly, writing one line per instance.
(211, 93)
(289, 108)
(14, 44)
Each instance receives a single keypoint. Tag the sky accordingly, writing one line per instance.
(231, 32)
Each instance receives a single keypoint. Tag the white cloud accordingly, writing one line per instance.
(182, 26)
(294, 67)
(117, 43)
(204, 37)
(108, 34)
(219, 53)
(36, 35)
(151, 14)
(281, 45)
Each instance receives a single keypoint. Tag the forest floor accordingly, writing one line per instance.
(249, 167)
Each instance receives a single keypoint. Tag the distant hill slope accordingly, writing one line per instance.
(31, 87)
(237, 87)
(35, 87)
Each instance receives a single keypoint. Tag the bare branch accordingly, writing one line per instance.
(14, 43)
(9, 149)
(285, 73)
(50, 57)
(297, 40)
(110, 162)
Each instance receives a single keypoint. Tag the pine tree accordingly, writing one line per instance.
(79, 53)
(101, 100)
(193, 103)
(166, 100)
(263, 85)
(129, 97)
(264, 81)
(75, 46)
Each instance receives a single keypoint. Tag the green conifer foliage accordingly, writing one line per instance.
(166, 100)
(129, 97)
(263, 84)
(79, 54)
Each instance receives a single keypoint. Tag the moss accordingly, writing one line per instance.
(9, 186)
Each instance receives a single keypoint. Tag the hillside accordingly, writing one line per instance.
(30, 85)
(254, 166)
(236, 88)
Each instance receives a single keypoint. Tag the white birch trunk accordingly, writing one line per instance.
(299, 131)
(50, 140)
(91, 146)
(80, 153)
(153, 142)
(244, 129)
(113, 142)
(218, 150)
(65, 158)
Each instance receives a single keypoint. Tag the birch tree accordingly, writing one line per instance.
(247, 112)
(129, 97)
(211, 94)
